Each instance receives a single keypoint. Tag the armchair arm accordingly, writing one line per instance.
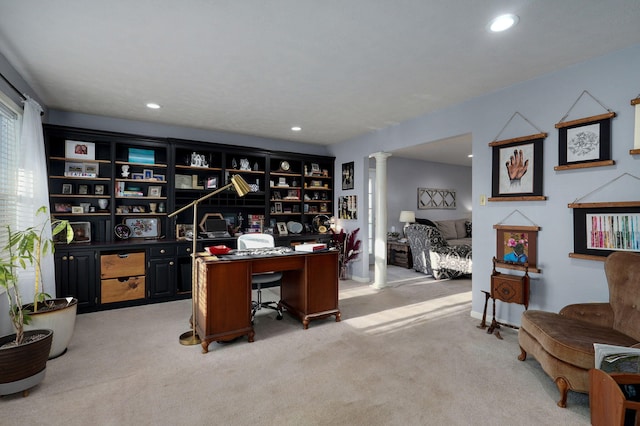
(600, 314)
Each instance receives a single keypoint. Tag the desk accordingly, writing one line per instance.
(309, 291)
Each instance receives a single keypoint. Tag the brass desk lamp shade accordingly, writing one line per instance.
(242, 188)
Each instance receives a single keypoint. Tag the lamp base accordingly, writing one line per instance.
(189, 338)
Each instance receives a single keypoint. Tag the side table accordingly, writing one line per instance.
(399, 254)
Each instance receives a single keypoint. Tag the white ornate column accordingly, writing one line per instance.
(380, 232)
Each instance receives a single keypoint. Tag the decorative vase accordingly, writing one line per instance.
(103, 203)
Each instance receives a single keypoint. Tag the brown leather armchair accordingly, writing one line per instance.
(563, 343)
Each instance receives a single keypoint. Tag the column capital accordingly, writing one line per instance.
(379, 156)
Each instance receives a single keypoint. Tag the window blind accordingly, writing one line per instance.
(9, 120)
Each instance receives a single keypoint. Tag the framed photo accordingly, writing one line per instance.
(517, 167)
(282, 228)
(160, 178)
(67, 188)
(599, 231)
(62, 207)
(517, 245)
(77, 209)
(315, 168)
(137, 176)
(91, 168)
(80, 150)
(98, 189)
(278, 207)
(154, 191)
(147, 174)
(184, 231)
(211, 182)
(73, 169)
(584, 141)
(347, 175)
(83, 189)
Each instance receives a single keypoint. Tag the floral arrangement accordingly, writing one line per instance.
(347, 245)
(518, 243)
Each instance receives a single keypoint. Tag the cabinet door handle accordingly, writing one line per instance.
(162, 251)
(70, 257)
(64, 257)
(188, 250)
(123, 256)
(170, 263)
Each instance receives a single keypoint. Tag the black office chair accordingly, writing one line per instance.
(262, 280)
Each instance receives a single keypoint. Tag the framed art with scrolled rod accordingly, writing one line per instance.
(517, 169)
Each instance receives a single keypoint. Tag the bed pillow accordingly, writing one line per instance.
(467, 225)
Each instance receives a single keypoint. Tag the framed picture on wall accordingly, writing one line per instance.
(517, 167)
(347, 175)
(517, 246)
(584, 141)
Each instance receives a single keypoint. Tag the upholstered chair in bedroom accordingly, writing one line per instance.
(432, 254)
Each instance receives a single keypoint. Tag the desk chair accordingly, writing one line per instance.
(262, 280)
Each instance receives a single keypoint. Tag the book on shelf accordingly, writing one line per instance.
(310, 247)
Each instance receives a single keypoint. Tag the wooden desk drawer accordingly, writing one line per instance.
(122, 265)
(121, 289)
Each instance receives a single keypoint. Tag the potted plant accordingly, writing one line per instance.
(348, 247)
(59, 314)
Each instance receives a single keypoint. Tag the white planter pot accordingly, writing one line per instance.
(61, 321)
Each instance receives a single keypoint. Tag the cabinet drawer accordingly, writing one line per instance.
(510, 288)
(122, 265)
(184, 250)
(162, 251)
(121, 289)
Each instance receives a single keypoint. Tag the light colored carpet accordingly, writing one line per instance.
(406, 355)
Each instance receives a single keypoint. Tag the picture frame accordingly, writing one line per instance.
(160, 178)
(83, 189)
(584, 141)
(137, 176)
(141, 156)
(73, 169)
(433, 198)
(91, 169)
(278, 207)
(147, 174)
(143, 227)
(62, 208)
(67, 188)
(184, 231)
(347, 175)
(282, 228)
(517, 246)
(603, 228)
(517, 167)
(98, 189)
(154, 191)
(80, 150)
(77, 209)
(183, 181)
(211, 182)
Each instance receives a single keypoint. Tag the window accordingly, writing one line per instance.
(9, 139)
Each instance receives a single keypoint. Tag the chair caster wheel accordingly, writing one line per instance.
(279, 317)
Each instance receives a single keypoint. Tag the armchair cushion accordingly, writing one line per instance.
(599, 314)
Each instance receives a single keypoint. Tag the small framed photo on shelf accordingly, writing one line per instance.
(211, 182)
(98, 189)
(62, 207)
(315, 168)
(137, 176)
(83, 189)
(147, 174)
(154, 191)
(160, 178)
(73, 169)
(67, 188)
(77, 209)
(80, 150)
(91, 169)
(184, 231)
(282, 228)
(278, 207)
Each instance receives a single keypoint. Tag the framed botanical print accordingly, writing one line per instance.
(517, 167)
(587, 140)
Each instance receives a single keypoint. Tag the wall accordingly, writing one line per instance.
(405, 176)
(612, 79)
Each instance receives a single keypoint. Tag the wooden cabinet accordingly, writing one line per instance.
(399, 254)
(122, 276)
(76, 275)
(161, 271)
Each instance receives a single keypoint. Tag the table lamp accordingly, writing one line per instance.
(408, 217)
(242, 188)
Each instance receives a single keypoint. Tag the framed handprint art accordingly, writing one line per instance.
(517, 169)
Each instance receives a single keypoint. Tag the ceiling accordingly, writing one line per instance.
(338, 69)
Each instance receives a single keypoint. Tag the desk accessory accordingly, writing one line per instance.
(242, 188)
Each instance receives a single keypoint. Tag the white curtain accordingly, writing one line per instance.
(33, 192)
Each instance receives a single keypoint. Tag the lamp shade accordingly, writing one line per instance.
(407, 216)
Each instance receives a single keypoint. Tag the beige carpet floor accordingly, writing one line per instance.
(406, 355)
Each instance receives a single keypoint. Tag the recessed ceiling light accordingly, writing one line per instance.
(470, 155)
(296, 128)
(153, 105)
(503, 22)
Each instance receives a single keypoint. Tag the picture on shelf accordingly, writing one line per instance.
(148, 174)
(91, 168)
(184, 231)
(282, 228)
(80, 150)
(73, 168)
(211, 182)
(67, 188)
(278, 207)
(98, 189)
(62, 207)
(137, 176)
(141, 156)
(160, 178)
(154, 191)
(83, 189)
(77, 209)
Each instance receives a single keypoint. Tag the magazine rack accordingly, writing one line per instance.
(607, 400)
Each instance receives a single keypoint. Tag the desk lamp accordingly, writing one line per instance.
(408, 217)
(242, 188)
